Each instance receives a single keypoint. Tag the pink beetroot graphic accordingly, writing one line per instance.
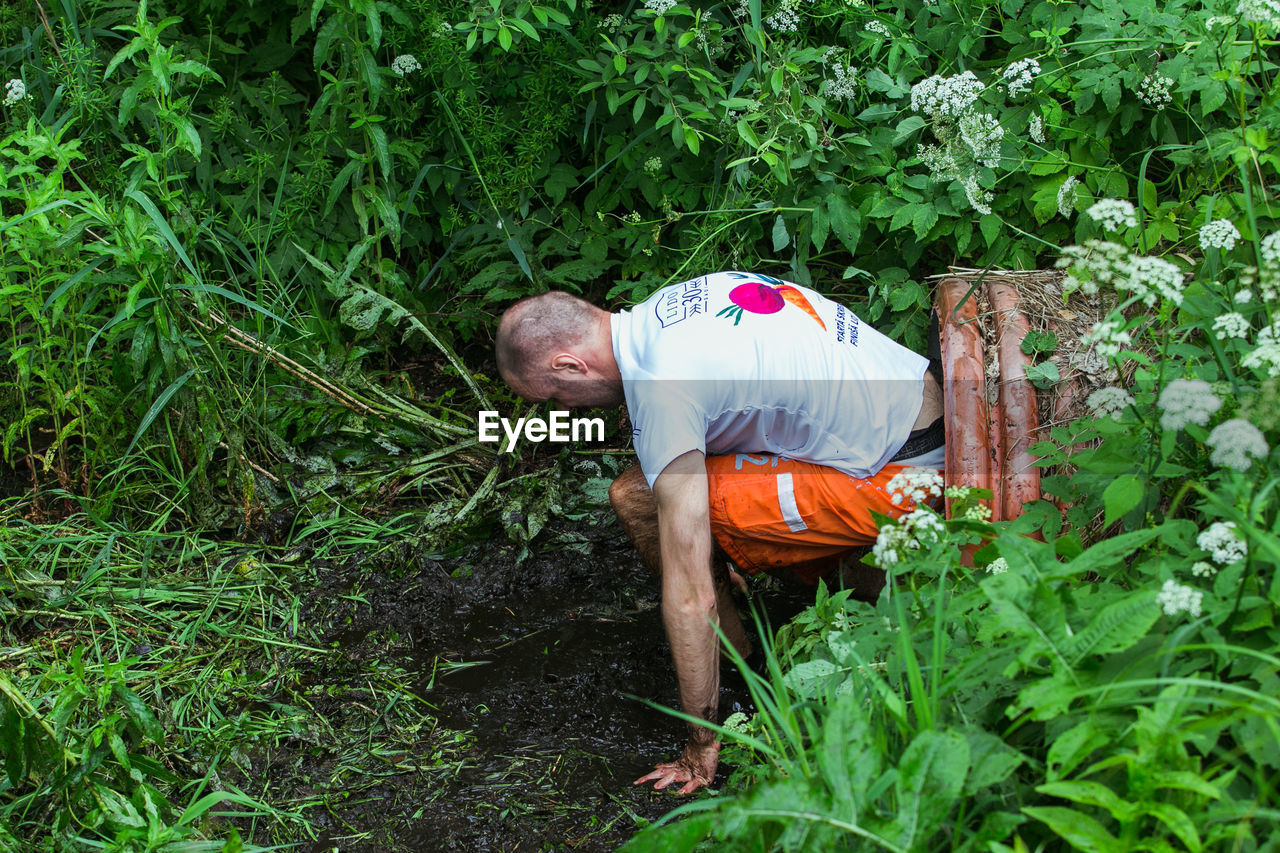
(759, 298)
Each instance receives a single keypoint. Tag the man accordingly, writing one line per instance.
(765, 417)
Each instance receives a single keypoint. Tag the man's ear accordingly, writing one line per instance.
(568, 361)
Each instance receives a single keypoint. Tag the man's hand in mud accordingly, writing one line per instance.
(694, 769)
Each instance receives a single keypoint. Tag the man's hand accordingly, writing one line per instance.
(695, 768)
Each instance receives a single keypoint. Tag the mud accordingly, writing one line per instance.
(536, 665)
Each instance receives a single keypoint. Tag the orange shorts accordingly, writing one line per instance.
(770, 512)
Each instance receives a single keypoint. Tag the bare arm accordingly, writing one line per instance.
(689, 613)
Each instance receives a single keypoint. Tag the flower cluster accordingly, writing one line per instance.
(946, 97)
(1218, 234)
(15, 90)
(846, 83)
(1264, 13)
(1230, 325)
(613, 22)
(659, 7)
(1113, 214)
(982, 133)
(1187, 401)
(1224, 545)
(405, 64)
(878, 27)
(1101, 262)
(784, 19)
(1269, 248)
(1175, 598)
(1067, 196)
(940, 162)
(908, 533)
(1107, 337)
(1154, 91)
(652, 165)
(1267, 352)
(1234, 442)
(998, 566)
(1201, 569)
(1110, 401)
(1035, 129)
(1019, 76)
(979, 198)
(915, 484)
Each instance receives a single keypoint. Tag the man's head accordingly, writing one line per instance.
(555, 346)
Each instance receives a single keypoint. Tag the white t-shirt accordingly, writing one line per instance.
(745, 363)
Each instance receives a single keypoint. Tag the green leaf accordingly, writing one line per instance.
(781, 239)
(1121, 495)
(1077, 828)
(1091, 794)
(906, 129)
(819, 227)
(845, 221)
(158, 406)
(1043, 375)
(1117, 626)
(140, 713)
(931, 775)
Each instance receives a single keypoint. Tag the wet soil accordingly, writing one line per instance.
(540, 667)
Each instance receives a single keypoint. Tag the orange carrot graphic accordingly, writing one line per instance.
(797, 299)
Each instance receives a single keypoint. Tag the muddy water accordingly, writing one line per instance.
(537, 664)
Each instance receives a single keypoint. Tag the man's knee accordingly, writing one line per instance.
(630, 493)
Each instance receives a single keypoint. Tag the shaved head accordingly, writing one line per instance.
(555, 345)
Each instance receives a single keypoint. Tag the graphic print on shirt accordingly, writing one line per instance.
(681, 303)
(767, 296)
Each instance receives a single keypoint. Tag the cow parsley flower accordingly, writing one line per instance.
(908, 533)
(939, 161)
(1150, 278)
(1019, 76)
(1267, 352)
(15, 90)
(846, 83)
(1035, 129)
(1264, 13)
(1175, 598)
(1110, 401)
(1067, 196)
(979, 198)
(613, 22)
(915, 484)
(1112, 214)
(405, 64)
(1201, 569)
(878, 27)
(1218, 234)
(946, 97)
(982, 133)
(784, 19)
(1234, 442)
(1269, 248)
(998, 566)
(1224, 545)
(1154, 91)
(1187, 401)
(1230, 325)
(1107, 337)
(1097, 262)
(661, 7)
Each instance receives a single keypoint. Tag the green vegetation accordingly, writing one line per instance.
(250, 255)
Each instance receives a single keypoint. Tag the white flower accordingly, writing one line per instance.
(1019, 76)
(1242, 297)
(15, 90)
(998, 566)
(405, 64)
(1067, 196)
(613, 22)
(1187, 401)
(878, 27)
(1233, 442)
(916, 528)
(846, 83)
(1112, 214)
(1201, 569)
(1174, 598)
(978, 197)
(1264, 13)
(784, 19)
(982, 133)
(1107, 337)
(653, 164)
(659, 7)
(1269, 248)
(1035, 129)
(1150, 278)
(1267, 352)
(915, 484)
(1154, 91)
(1231, 325)
(939, 161)
(946, 97)
(1222, 542)
(1110, 401)
(1218, 234)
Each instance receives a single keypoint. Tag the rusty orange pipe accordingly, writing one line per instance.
(1017, 477)
(968, 456)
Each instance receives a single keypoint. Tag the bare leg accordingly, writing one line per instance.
(634, 503)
